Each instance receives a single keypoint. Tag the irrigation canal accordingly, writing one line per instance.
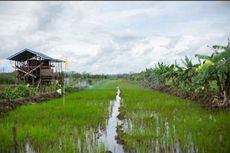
(108, 136)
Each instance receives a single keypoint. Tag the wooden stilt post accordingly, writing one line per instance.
(64, 86)
(32, 81)
(16, 73)
(15, 140)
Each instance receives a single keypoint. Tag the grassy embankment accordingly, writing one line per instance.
(54, 127)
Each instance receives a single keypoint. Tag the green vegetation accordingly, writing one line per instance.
(84, 79)
(152, 121)
(22, 90)
(58, 127)
(9, 91)
(176, 120)
(209, 78)
(8, 78)
(17, 92)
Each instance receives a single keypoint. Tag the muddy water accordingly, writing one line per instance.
(108, 137)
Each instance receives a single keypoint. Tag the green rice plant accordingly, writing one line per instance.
(151, 116)
(153, 121)
(52, 126)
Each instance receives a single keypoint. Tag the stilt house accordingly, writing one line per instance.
(36, 68)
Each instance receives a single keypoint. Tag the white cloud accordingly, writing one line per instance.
(113, 37)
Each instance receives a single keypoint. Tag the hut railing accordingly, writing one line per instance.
(19, 69)
(27, 73)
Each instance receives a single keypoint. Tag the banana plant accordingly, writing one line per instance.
(217, 67)
(184, 75)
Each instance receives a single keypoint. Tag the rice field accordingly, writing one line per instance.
(158, 122)
(153, 122)
(57, 127)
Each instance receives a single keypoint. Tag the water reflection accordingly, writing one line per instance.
(110, 133)
(162, 134)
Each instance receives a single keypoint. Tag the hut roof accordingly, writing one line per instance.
(26, 54)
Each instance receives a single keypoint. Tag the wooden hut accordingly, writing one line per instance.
(37, 68)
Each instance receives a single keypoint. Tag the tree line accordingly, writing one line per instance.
(211, 76)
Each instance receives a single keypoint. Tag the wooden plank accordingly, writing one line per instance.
(46, 72)
(41, 66)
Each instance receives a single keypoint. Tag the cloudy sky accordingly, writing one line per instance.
(112, 37)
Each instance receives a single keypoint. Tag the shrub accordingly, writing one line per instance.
(69, 88)
(17, 92)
